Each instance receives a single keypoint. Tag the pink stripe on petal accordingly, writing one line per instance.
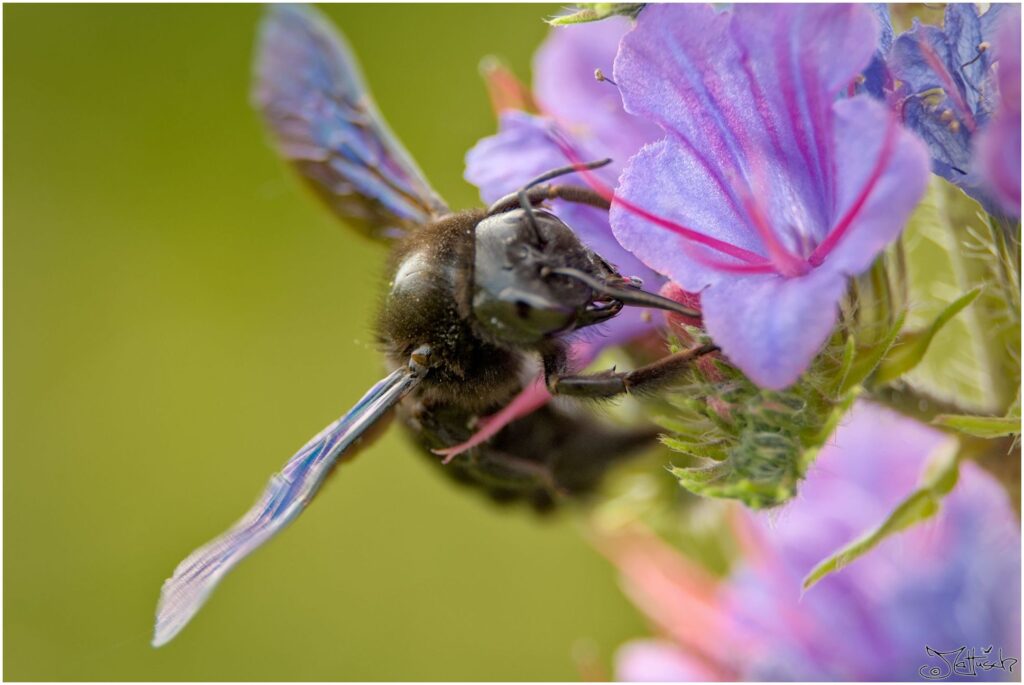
(712, 170)
(790, 94)
(684, 231)
(785, 262)
(843, 225)
(733, 267)
(690, 234)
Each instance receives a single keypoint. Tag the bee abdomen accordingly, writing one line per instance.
(543, 459)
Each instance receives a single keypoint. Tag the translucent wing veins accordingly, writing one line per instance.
(311, 93)
(285, 497)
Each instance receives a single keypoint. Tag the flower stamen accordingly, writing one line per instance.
(948, 84)
(983, 47)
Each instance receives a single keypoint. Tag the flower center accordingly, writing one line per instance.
(734, 259)
(948, 83)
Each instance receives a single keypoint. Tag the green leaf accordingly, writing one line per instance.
(974, 360)
(910, 348)
(845, 365)
(868, 360)
(980, 426)
(939, 477)
(595, 11)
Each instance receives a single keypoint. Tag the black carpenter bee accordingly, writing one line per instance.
(478, 302)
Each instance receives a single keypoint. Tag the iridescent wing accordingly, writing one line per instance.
(286, 496)
(312, 96)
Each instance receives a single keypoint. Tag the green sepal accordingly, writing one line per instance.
(720, 479)
(845, 366)
(596, 11)
(818, 438)
(939, 477)
(986, 427)
(910, 348)
(758, 460)
(866, 361)
(980, 426)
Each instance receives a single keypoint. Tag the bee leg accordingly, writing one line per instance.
(661, 373)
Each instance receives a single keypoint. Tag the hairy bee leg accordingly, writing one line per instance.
(570, 193)
(611, 383)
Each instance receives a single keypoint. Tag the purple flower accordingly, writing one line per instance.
(577, 108)
(998, 148)
(950, 581)
(876, 79)
(776, 191)
(944, 89)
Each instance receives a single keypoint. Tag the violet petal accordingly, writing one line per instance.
(798, 191)
(772, 327)
(892, 199)
(876, 75)
(567, 90)
(999, 145)
(751, 91)
(678, 182)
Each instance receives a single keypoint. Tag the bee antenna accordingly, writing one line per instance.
(527, 206)
(562, 171)
(627, 293)
(524, 199)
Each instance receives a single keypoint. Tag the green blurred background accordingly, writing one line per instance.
(181, 315)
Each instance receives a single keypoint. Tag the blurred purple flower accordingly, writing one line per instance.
(998, 148)
(876, 80)
(950, 581)
(577, 108)
(777, 192)
(945, 90)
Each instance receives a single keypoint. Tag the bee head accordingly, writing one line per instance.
(519, 297)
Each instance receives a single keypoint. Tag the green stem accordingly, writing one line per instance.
(999, 456)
